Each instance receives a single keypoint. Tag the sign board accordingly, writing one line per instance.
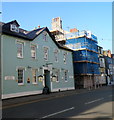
(50, 67)
(9, 77)
(54, 78)
(70, 76)
(40, 79)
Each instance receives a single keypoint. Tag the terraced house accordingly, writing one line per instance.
(31, 60)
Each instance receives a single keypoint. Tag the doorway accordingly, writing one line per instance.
(47, 79)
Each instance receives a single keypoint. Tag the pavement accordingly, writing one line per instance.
(40, 97)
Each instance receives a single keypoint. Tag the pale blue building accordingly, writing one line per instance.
(31, 60)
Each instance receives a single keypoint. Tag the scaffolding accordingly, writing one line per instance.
(79, 34)
(85, 57)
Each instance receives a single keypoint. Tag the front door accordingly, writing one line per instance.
(47, 79)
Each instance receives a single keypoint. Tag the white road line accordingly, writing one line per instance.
(94, 101)
(58, 112)
(110, 95)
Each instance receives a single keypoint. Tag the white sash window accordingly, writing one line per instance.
(19, 50)
(45, 53)
(33, 51)
(20, 76)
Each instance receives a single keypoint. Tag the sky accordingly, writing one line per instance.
(93, 16)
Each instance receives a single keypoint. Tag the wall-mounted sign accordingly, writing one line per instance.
(49, 67)
(70, 76)
(9, 77)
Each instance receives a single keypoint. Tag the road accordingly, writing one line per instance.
(92, 104)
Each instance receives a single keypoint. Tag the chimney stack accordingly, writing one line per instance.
(38, 26)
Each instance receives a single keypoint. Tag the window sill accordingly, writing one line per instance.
(20, 57)
(21, 84)
(35, 83)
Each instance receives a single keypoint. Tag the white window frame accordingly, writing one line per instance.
(66, 75)
(46, 54)
(22, 76)
(64, 57)
(56, 53)
(34, 57)
(21, 50)
(34, 82)
(14, 28)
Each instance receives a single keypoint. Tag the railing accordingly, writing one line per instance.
(81, 45)
(80, 34)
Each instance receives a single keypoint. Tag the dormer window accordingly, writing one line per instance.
(14, 28)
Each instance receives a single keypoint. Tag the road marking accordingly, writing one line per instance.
(42, 99)
(58, 112)
(110, 96)
(94, 101)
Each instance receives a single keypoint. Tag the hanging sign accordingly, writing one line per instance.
(28, 80)
(54, 78)
(40, 78)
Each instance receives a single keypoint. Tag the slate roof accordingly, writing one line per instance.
(27, 35)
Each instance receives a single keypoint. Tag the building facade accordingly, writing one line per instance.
(85, 58)
(112, 56)
(109, 69)
(102, 66)
(57, 31)
(32, 60)
(85, 54)
(109, 66)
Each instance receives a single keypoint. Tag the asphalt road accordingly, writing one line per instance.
(92, 104)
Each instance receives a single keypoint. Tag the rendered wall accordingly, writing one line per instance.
(11, 63)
